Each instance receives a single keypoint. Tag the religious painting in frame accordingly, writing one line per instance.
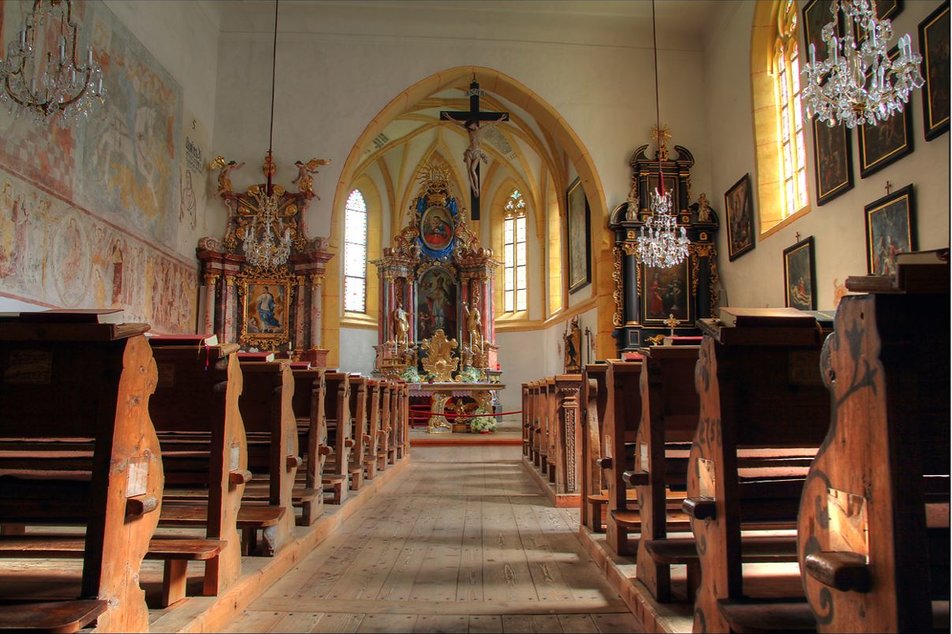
(890, 229)
(887, 141)
(266, 303)
(578, 231)
(436, 229)
(666, 292)
(833, 161)
(934, 47)
(436, 303)
(799, 275)
(739, 209)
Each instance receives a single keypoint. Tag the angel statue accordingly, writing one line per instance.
(304, 181)
(224, 176)
(474, 323)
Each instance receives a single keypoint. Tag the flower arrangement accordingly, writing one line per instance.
(469, 374)
(410, 375)
(483, 423)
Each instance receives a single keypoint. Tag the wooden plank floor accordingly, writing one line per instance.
(464, 541)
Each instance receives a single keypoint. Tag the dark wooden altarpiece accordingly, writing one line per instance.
(644, 296)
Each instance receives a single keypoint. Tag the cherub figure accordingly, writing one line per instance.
(304, 181)
(224, 176)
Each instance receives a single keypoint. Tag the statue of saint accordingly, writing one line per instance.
(474, 323)
(401, 326)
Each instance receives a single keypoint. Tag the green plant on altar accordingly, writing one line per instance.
(469, 374)
(410, 375)
(483, 423)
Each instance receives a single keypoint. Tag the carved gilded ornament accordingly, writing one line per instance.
(439, 361)
(618, 294)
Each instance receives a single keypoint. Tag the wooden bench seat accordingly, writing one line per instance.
(51, 616)
(174, 551)
(335, 476)
(250, 520)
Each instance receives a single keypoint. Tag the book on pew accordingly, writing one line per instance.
(766, 317)
(256, 356)
(74, 316)
(184, 340)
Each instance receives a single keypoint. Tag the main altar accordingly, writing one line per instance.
(436, 298)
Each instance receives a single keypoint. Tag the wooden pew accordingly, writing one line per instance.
(386, 430)
(403, 422)
(763, 413)
(669, 415)
(374, 430)
(874, 516)
(535, 423)
(358, 429)
(195, 413)
(90, 383)
(623, 413)
(273, 456)
(308, 405)
(566, 433)
(594, 487)
(337, 417)
(526, 423)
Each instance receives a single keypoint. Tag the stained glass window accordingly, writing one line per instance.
(355, 253)
(789, 113)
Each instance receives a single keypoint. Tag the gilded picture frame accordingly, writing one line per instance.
(578, 231)
(799, 275)
(832, 161)
(934, 46)
(266, 310)
(739, 209)
(890, 229)
(816, 14)
(887, 142)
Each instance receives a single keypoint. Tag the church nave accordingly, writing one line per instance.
(462, 541)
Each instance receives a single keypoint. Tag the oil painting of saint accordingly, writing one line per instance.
(436, 307)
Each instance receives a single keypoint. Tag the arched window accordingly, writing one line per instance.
(515, 255)
(355, 253)
(778, 115)
(789, 112)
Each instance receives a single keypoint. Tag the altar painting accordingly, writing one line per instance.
(265, 307)
(436, 228)
(666, 292)
(436, 307)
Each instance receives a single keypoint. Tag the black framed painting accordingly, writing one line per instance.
(890, 229)
(816, 14)
(886, 142)
(578, 232)
(934, 47)
(739, 208)
(799, 275)
(832, 161)
(888, 9)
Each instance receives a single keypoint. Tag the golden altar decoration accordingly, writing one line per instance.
(435, 277)
(459, 399)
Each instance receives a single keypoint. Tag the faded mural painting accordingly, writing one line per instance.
(91, 214)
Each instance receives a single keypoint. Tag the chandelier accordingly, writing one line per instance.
(660, 244)
(261, 246)
(44, 78)
(858, 83)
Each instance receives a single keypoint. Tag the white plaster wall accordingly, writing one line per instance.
(339, 65)
(838, 227)
(356, 350)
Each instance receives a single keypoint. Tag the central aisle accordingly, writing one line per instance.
(463, 541)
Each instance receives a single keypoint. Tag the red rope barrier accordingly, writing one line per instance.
(420, 415)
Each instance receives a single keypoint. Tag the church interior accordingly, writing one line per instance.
(268, 266)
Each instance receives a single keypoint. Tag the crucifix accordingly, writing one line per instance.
(475, 122)
(888, 187)
(671, 323)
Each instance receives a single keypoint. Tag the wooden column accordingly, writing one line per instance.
(208, 321)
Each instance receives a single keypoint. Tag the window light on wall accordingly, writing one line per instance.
(792, 162)
(514, 254)
(355, 253)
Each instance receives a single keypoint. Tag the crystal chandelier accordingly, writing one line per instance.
(660, 244)
(858, 83)
(43, 78)
(261, 246)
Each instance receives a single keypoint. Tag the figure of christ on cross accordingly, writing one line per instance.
(474, 122)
